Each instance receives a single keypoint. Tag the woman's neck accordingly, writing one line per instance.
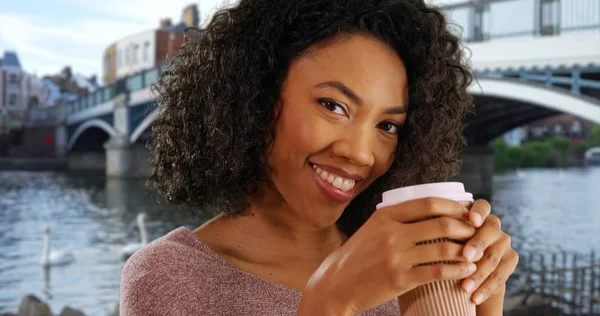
(284, 233)
(270, 237)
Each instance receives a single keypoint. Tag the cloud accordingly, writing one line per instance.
(144, 11)
(46, 44)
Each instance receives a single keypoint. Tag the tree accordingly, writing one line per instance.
(595, 131)
(563, 147)
(537, 154)
(594, 142)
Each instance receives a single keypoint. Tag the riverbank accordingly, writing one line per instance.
(32, 306)
(32, 164)
(556, 152)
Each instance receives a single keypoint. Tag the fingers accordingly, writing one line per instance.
(434, 252)
(492, 273)
(440, 227)
(485, 267)
(479, 212)
(421, 209)
(487, 234)
(437, 272)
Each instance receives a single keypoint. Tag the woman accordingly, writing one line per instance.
(290, 118)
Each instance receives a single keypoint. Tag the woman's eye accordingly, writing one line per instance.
(333, 106)
(389, 127)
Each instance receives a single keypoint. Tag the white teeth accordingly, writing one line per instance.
(346, 185)
(331, 178)
(324, 175)
(337, 181)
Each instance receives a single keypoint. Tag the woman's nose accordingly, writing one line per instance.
(355, 146)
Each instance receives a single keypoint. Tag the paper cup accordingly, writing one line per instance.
(441, 298)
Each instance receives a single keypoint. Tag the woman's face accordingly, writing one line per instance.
(341, 108)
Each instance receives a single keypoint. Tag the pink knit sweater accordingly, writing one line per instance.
(178, 274)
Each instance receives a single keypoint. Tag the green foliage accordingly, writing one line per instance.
(536, 154)
(594, 142)
(585, 145)
(562, 146)
(514, 157)
(499, 144)
(500, 154)
(595, 131)
(553, 152)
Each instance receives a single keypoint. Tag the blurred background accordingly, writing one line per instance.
(76, 111)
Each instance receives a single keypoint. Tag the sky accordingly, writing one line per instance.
(50, 34)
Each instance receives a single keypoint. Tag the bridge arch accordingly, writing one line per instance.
(141, 128)
(89, 124)
(504, 104)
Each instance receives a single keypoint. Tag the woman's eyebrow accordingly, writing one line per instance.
(343, 89)
(396, 110)
(354, 96)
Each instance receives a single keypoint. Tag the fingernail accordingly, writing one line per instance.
(471, 268)
(478, 298)
(470, 252)
(469, 286)
(476, 218)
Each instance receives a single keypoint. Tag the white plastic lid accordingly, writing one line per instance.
(447, 190)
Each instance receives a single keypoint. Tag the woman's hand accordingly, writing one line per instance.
(381, 260)
(491, 249)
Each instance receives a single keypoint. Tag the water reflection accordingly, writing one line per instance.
(90, 215)
(548, 210)
(47, 288)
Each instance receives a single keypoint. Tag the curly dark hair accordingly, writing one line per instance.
(217, 98)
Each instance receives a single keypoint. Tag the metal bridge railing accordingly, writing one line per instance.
(486, 20)
(138, 81)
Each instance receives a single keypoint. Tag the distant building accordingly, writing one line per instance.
(110, 63)
(11, 74)
(515, 137)
(72, 83)
(147, 49)
(564, 125)
(191, 16)
(20, 90)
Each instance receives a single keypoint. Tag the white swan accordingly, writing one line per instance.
(54, 258)
(130, 249)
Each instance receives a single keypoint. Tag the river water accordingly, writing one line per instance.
(543, 210)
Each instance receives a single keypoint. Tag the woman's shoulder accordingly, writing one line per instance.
(160, 276)
(178, 250)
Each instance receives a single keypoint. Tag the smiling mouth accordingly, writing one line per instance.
(336, 188)
(337, 181)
